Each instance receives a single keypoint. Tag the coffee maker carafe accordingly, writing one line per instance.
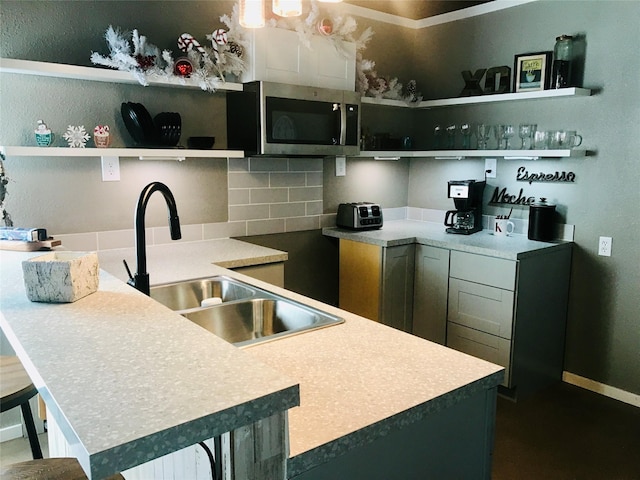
(467, 197)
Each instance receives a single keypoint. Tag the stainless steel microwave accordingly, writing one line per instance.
(279, 119)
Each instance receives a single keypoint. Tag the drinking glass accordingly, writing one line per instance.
(451, 136)
(465, 130)
(483, 133)
(499, 134)
(525, 132)
(541, 140)
(437, 137)
(508, 132)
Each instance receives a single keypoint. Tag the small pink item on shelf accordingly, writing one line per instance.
(102, 136)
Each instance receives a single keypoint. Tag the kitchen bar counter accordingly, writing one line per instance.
(402, 232)
(359, 381)
(186, 260)
(128, 380)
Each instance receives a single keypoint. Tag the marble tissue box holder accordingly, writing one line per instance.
(61, 277)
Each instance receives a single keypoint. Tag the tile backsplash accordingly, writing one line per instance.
(268, 195)
(276, 195)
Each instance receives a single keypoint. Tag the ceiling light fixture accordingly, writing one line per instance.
(287, 8)
(251, 13)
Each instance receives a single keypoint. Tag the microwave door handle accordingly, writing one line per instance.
(342, 126)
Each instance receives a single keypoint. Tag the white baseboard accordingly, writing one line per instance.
(607, 390)
(11, 432)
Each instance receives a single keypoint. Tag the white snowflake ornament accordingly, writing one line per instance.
(76, 137)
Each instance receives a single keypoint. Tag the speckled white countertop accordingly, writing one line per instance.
(401, 232)
(185, 260)
(127, 379)
(358, 380)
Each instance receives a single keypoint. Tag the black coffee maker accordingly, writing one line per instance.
(467, 197)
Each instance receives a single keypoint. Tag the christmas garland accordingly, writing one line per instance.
(209, 65)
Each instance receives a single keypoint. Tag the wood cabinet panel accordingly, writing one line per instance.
(360, 278)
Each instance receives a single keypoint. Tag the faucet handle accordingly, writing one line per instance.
(128, 271)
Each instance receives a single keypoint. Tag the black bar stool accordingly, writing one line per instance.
(16, 389)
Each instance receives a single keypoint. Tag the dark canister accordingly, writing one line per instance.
(541, 220)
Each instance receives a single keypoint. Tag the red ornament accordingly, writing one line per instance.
(325, 26)
(183, 67)
(146, 62)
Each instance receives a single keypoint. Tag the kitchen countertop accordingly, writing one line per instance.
(358, 380)
(402, 232)
(186, 260)
(127, 379)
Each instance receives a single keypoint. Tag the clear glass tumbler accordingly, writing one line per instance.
(525, 132)
(483, 133)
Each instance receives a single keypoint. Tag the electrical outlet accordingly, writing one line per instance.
(341, 166)
(490, 167)
(110, 169)
(604, 246)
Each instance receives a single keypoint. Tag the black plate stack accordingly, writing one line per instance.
(163, 131)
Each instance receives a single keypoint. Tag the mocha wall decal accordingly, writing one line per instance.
(501, 196)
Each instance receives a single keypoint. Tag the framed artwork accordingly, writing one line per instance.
(532, 71)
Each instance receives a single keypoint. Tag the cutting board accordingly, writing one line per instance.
(29, 246)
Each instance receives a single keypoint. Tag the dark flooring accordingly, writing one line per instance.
(566, 433)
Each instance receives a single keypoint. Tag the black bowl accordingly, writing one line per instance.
(168, 128)
(201, 143)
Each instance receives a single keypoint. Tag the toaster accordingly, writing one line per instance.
(359, 216)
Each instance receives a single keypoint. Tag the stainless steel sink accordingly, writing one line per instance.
(260, 319)
(190, 294)
(247, 314)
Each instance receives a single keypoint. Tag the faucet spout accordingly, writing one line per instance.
(141, 279)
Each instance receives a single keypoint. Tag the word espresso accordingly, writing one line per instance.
(524, 176)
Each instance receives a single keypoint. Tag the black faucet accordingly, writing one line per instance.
(141, 278)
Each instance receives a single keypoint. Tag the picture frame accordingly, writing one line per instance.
(532, 72)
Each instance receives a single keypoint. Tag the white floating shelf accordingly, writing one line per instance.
(500, 97)
(145, 153)
(59, 70)
(507, 154)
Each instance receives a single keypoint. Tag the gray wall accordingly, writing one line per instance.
(603, 333)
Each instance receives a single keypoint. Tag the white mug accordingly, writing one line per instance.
(502, 226)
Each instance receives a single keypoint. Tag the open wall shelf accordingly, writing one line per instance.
(500, 97)
(142, 153)
(58, 70)
(460, 154)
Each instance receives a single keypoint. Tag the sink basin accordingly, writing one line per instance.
(260, 319)
(189, 294)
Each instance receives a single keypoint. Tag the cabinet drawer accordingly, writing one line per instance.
(496, 272)
(480, 307)
(481, 345)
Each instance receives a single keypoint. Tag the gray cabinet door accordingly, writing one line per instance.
(483, 308)
(396, 309)
(430, 293)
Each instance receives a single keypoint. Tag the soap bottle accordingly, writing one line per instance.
(562, 58)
